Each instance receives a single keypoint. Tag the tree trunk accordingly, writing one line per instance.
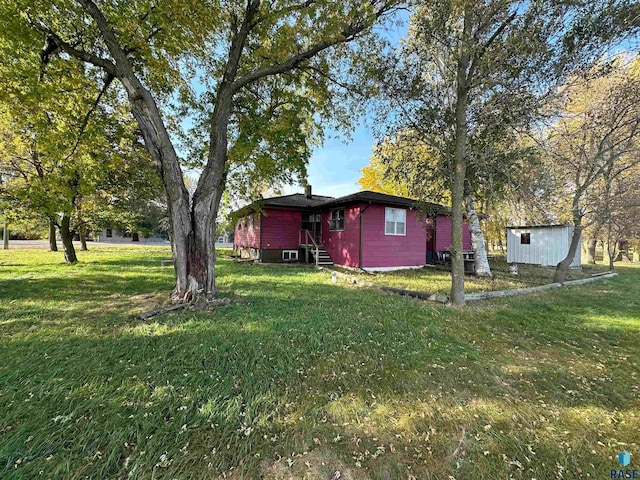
(482, 268)
(612, 253)
(192, 230)
(591, 250)
(459, 167)
(53, 243)
(5, 236)
(67, 239)
(563, 266)
(186, 257)
(206, 198)
(82, 233)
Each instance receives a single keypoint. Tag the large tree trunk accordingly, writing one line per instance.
(192, 228)
(53, 243)
(482, 268)
(5, 236)
(191, 259)
(206, 198)
(67, 239)
(591, 250)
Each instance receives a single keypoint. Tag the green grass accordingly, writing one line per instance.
(300, 378)
(438, 279)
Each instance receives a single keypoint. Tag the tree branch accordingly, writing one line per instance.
(487, 44)
(117, 52)
(351, 32)
(337, 82)
(85, 121)
(53, 38)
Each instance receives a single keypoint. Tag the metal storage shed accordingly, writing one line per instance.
(545, 245)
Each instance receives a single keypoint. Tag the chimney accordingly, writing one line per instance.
(307, 190)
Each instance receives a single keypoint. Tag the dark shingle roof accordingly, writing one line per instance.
(300, 200)
(368, 196)
(297, 200)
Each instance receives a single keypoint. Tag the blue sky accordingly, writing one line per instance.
(335, 167)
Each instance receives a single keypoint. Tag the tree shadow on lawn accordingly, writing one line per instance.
(300, 364)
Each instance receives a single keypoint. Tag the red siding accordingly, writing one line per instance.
(343, 246)
(443, 234)
(380, 250)
(281, 228)
(247, 236)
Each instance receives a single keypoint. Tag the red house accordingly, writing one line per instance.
(367, 230)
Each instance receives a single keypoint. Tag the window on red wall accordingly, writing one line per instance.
(395, 221)
(336, 219)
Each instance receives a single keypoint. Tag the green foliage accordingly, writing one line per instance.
(180, 52)
(67, 143)
(513, 60)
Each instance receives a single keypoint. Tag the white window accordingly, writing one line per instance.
(289, 255)
(395, 221)
(336, 219)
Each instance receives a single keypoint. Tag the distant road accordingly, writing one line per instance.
(45, 244)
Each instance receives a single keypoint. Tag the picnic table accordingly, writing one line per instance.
(468, 256)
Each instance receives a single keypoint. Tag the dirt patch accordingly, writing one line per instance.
(147, 301)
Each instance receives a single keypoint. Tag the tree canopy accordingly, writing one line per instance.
(269, 73)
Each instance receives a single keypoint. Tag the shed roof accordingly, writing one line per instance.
(516, 227)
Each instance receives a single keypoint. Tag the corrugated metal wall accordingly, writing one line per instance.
(549, 245)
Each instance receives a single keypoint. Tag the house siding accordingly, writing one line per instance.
(247, 236)
(281, 229)
(443, 234)
(343, 246)
(383, 251)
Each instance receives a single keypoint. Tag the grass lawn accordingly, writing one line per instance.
(438, 279)
(301, 378)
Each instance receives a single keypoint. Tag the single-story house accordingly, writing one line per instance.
(545, 245)
(367, 230)
(115, 235)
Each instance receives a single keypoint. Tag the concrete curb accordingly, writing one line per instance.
(471, 297)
